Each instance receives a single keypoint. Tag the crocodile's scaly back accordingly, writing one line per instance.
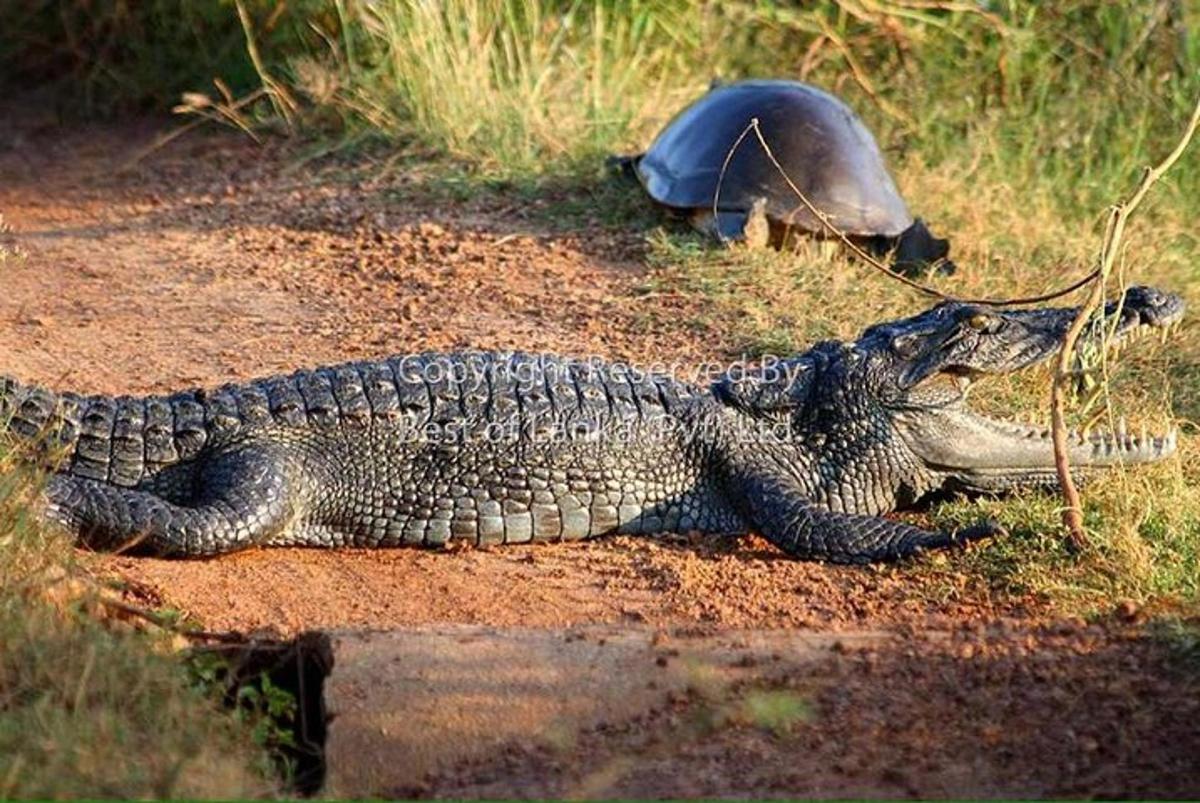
(491, 447)
(123, 439)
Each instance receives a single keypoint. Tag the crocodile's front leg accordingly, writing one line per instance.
(780, 513)
(243, 499)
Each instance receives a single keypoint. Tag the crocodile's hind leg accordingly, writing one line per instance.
(242, 498)
(782, 515)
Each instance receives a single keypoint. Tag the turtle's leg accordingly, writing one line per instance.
(756, 230)
(703, 221)
(750, 227)
(623, 165)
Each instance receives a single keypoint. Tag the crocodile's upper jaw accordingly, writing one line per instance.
(959, 344)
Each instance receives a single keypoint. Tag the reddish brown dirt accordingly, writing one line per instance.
(214, 259)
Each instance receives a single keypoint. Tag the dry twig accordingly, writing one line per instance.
(285, 105)
(1114, 231)
(864, 81)
(165, 623)
(198, 104)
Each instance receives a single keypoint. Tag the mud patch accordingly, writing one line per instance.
(996, 713)
(409, 706)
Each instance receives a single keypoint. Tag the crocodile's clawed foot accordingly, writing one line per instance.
(977, 532)
(961, 537)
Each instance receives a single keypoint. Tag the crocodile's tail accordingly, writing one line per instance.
(27, 413)
(35, 418)
(117, 440)
(123, 440)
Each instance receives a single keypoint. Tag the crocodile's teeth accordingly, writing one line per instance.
(1144, 446)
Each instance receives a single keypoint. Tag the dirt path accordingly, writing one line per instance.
(215, 260)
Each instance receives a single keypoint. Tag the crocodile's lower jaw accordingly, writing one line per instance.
(969, 442)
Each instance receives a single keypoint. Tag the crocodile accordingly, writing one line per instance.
(810, 451)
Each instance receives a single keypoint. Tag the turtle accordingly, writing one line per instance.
(819, 142)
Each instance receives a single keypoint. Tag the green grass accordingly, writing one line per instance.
(1068, 95)
(510, 85)
(93, 708)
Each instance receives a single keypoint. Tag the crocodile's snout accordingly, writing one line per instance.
(1155, 307)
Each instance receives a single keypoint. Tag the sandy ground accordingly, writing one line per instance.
(214, 259)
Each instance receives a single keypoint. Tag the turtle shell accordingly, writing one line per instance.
(821, 144)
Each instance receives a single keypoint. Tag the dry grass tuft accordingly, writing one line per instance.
(87, 710)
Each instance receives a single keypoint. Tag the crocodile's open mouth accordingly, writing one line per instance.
(948, 435)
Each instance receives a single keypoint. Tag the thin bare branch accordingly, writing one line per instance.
(281, 98)
(864, 81)
(164, 139)
(1110, 248)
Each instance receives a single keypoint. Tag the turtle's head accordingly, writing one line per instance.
(920, 370)
(917, 250)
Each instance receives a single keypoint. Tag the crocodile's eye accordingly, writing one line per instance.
(906, 346)
(980, 322)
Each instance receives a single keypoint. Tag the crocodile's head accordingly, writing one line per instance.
(920, 370)
(885, 418)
